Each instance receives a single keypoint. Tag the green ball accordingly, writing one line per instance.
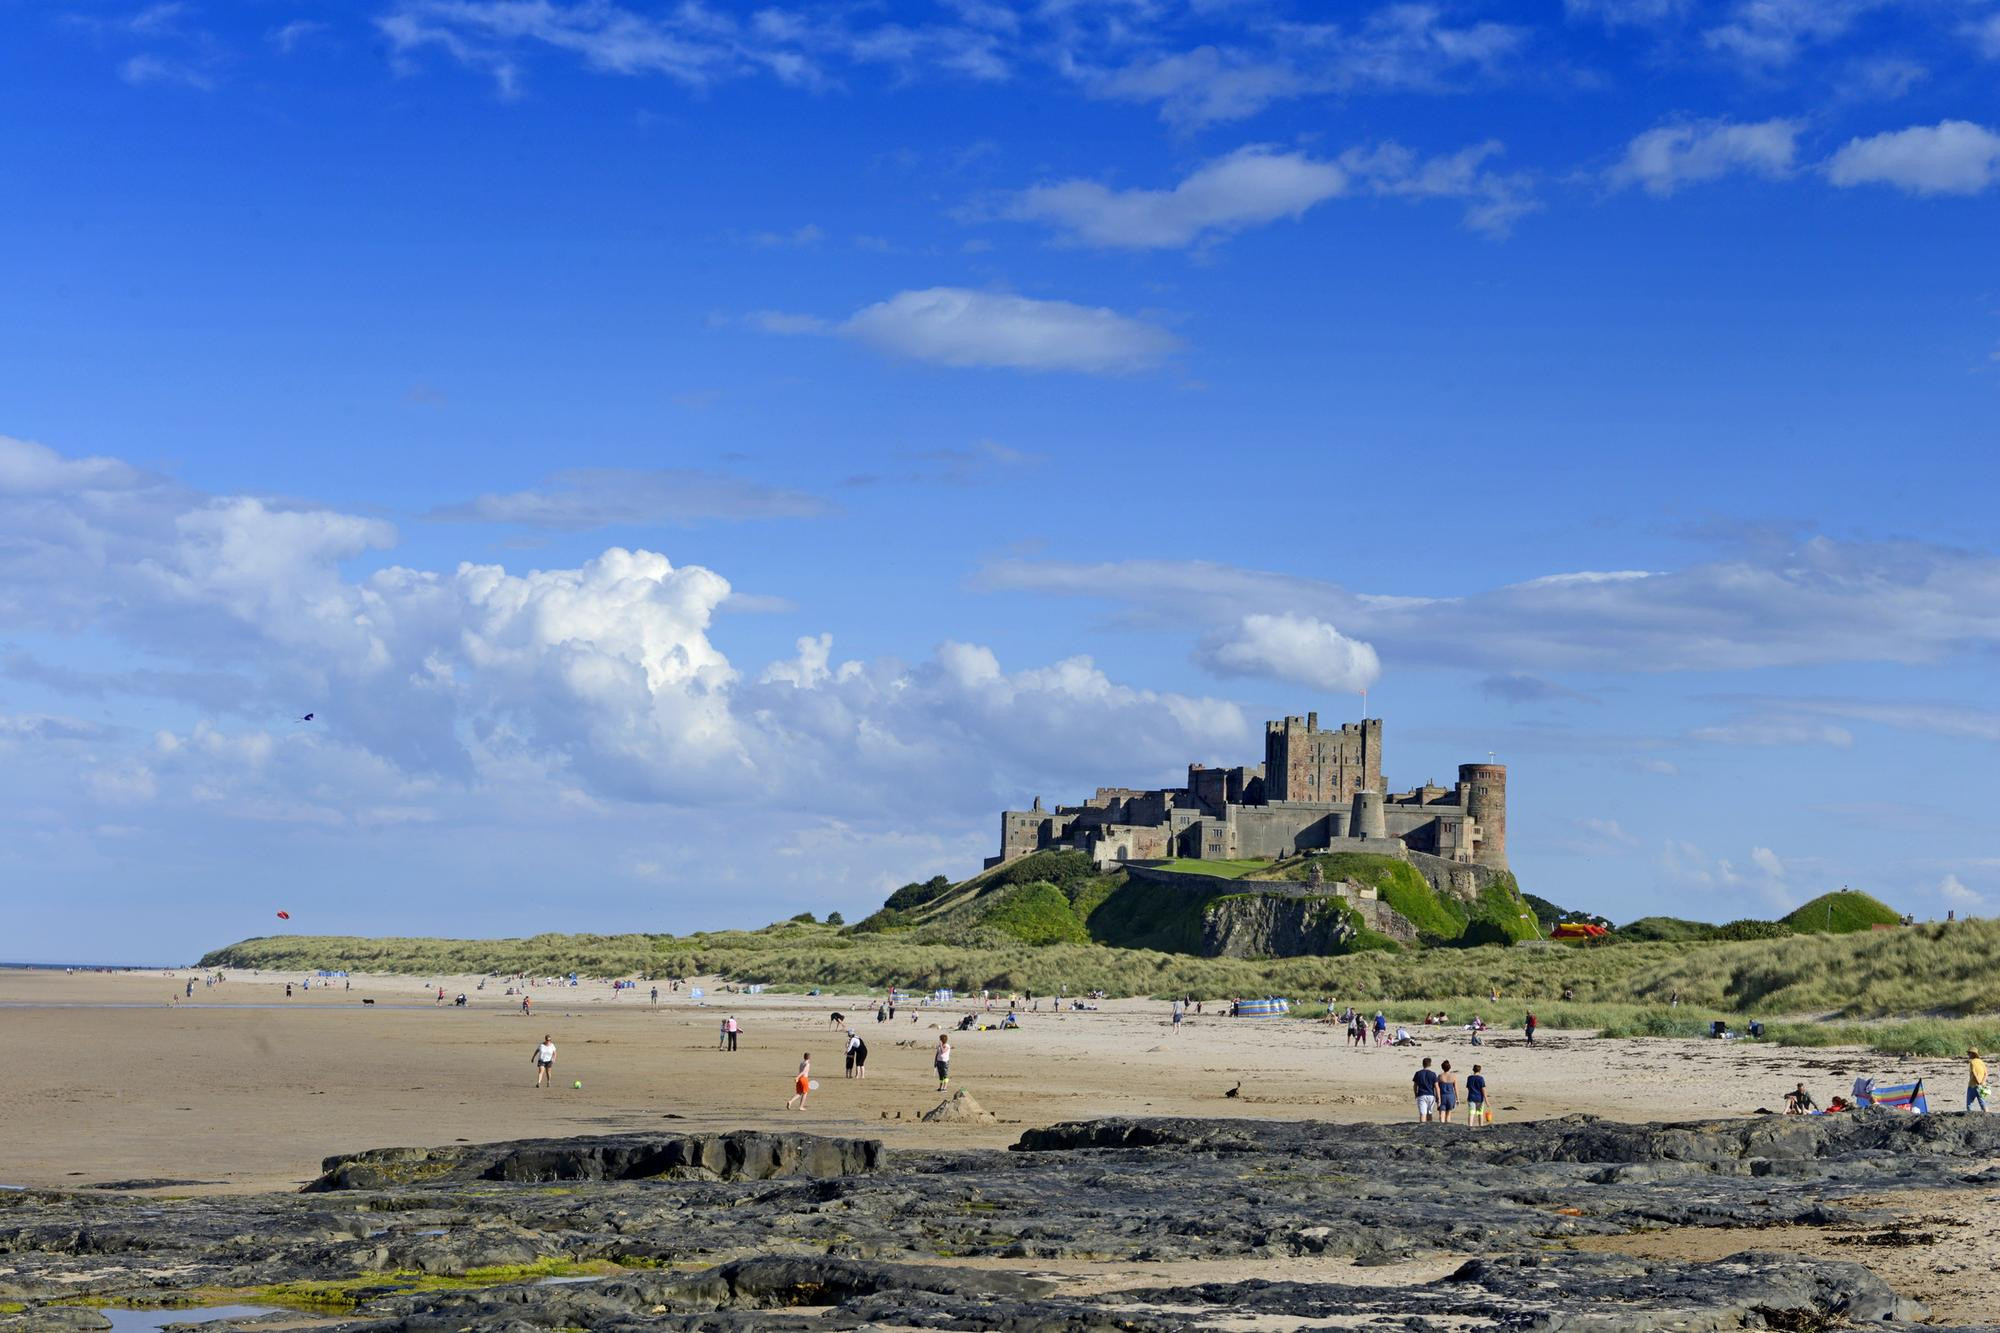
(578, 1085)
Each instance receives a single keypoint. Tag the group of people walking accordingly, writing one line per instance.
(1437, 1094)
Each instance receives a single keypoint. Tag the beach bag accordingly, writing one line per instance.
(1487, 1111)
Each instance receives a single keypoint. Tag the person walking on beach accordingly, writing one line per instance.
(1447, 1092)
(545, 1062)
(1528, 1026)
(941, 1061)
(1179, 1008)
(1975, 1080)
(1381, 1027)
(1475, 1098)
(1425, 1082)
(526, 1002)
(729, 1030)
(802, 1085)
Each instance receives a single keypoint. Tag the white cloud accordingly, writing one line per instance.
(601, 678)
(1950, 157)
(1770, 34)
(1295, 649)
(1407, 47)
(1249, 187)
(1684, 865)
(142, 70)
(1768, 861)
(27, 468)
(1985, 35)
(955, 326)
(1257, 184)
(1670, 157)
(1664, 768)
(1961, 899)
(1633, 13)
(1764, 605)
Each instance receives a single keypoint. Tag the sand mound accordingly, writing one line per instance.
(960, 1109)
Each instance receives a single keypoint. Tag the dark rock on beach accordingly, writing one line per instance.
(784, 1231)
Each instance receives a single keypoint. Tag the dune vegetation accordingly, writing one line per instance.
(1053, 922)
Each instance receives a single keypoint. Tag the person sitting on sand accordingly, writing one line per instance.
(545, 1062)
(802, 1085)
(1799, 1102)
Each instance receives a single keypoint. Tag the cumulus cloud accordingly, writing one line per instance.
(1764, 605)
(601, 678)
(1950, 157)
(1258, 184)
(955, 326)
(584, 498)
(1685, 865)
(1670, 157)
(1771, 34)
(1296, 649)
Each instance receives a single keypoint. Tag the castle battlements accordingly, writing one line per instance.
(1317, 790)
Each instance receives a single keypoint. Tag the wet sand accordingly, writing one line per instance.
(107, 1080)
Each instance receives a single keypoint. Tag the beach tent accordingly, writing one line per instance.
(1271, 1008)
(1899, 1097)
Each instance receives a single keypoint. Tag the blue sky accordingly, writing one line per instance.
(698, 464)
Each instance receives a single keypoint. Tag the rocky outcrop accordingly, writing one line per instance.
(740, 1155)
(1256, 925)
(788, 1232)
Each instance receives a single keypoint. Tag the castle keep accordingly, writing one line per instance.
(1317, 790)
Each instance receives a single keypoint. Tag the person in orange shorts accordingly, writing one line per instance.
(802, 1085)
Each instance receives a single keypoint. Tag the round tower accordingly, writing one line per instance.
(1486, 801)
(1369, 821)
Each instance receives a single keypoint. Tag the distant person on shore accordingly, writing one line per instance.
(1475, 1097)
(1447, 1092)
(852, 1042)
(1528, 1026)
(730, 1028)
(1381, 1027)
(836, 1019)
(288, 990)
(656, 997)
(860, 1055)
(881, 1013)
(190, 988)
(941, 1061)
(1179, 1009)
(527, 1005)
(802, 1085)
(545, 1062)
(1425, 1083)
(1975, 1081)
(1799, 1102)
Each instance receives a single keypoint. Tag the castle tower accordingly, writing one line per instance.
(1486, 801)
(1369, 821)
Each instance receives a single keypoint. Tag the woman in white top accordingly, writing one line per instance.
(545, 1062)
(941, 1061)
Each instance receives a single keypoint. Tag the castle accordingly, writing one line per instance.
(1315, 791)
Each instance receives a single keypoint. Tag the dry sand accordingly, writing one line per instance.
(106, 1080)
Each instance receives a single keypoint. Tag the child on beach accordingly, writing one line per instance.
(1475, 1097)
(802, 1085)
(545, 1062)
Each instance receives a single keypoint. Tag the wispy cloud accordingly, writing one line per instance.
(585, 498)
(143, 70)
(1259, 184)
(955, 326)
